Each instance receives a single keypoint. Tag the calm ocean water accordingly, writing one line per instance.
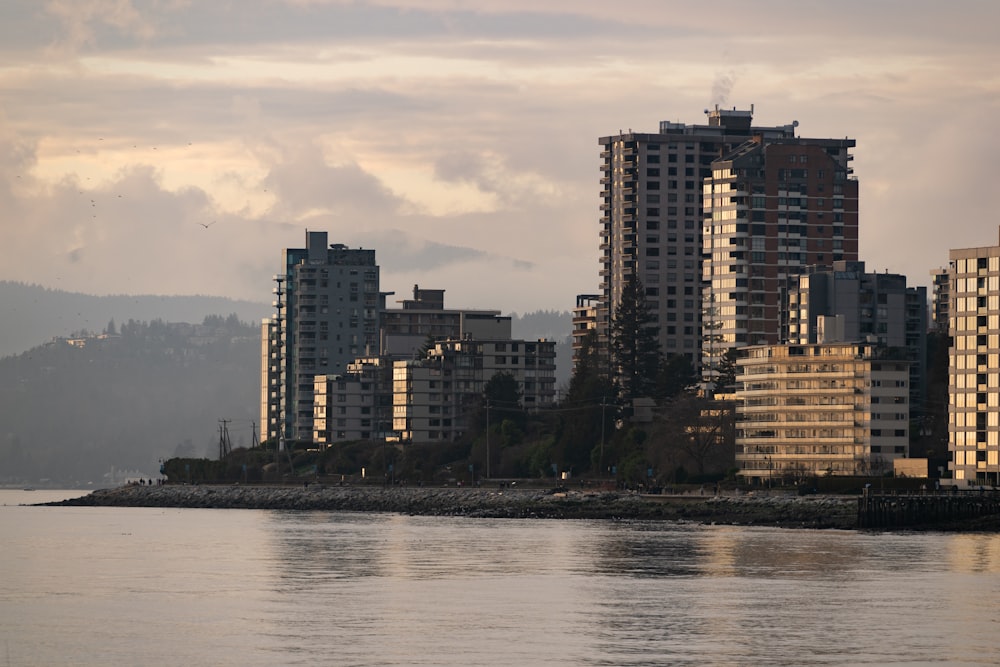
(113, 586)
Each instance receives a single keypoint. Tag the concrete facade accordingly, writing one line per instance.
(974, 366)
(941, 298)
(831, 409)
(432, 397)
(328, 305)
(585, 318)
(271, 385)
(772, 207)
(873, 307)
(651, 223)
(406, 330)
(353, 406)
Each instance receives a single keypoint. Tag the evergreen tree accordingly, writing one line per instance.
(726, 371)
(501, 400)
(500, 419)
(589, 412)
(635, 348)
(503, 393)
(676, 377)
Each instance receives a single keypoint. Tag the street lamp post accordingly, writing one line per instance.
(487, 438)
(601, 466)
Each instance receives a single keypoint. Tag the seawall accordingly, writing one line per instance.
(776, 510)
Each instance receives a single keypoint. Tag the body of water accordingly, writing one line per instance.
(140, 586)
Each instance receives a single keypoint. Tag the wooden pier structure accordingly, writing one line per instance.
(884, 510)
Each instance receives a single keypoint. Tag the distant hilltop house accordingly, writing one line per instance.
(83, 341)
(180, 339)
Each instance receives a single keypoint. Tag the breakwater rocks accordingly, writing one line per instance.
(765, 510)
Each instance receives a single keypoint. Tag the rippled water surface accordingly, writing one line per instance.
(115, 586)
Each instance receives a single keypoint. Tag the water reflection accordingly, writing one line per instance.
(974, 553)
(316, 588)
(336, 545)
(655, 550)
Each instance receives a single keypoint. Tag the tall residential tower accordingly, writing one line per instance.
(772, 207)
(651, 190)
(974, 366)
(328, 303)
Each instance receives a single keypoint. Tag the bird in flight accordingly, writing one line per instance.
(206, 225)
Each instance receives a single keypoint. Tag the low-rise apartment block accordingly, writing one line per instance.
(405, 330)
(432, 397)
(354, 406)
(824, 409)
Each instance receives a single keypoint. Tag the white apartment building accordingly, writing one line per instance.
(824, 409)
(974, 366)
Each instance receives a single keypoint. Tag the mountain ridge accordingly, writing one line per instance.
(35, 314)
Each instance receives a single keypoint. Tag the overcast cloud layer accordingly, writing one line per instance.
(457, 139)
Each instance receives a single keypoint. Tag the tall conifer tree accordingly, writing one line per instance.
(635, 346)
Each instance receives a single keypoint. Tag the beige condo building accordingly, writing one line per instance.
(974, 366)
(823, 409)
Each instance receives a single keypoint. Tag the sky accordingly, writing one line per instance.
(177, 146)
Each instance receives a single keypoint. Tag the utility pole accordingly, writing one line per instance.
(487, 438)
(225, 447)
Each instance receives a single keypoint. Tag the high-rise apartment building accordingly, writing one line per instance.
(974, 366)
(772, 206)
(940, 299)
(328, 303)
(585, 317)
(652, 219)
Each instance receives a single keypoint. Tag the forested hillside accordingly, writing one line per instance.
(34, 315)
(128, 394)
(73, 408)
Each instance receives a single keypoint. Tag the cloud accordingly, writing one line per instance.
(458, 140)
(305, 185)
(83, 22)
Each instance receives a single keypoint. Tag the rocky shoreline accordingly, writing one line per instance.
(786, 511)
